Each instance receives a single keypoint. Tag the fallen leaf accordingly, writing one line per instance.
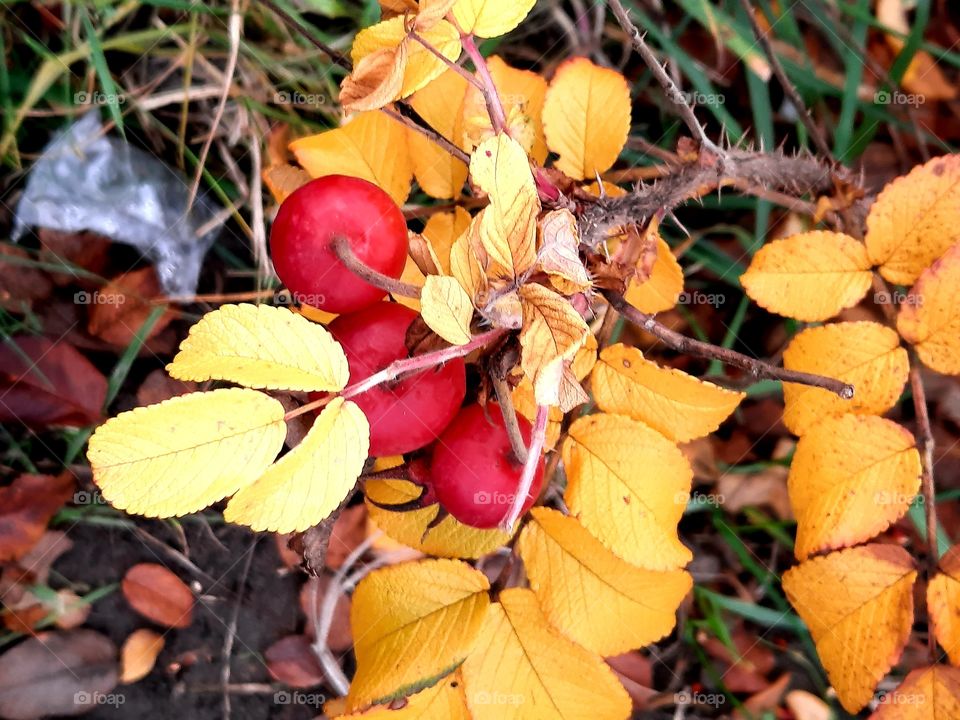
(927, 693)
(159, 595)
(293, 662)
(139, 654)
(119, 309)
(943, 600)
(26, 506)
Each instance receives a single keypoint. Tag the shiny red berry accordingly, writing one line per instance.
(408, 414)
(318, 213)
(473, 471)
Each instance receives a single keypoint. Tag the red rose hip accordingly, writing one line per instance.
(318, 213)
(404, 415)
(474, 473)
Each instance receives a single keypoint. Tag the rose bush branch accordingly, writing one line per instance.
(343, 251)
(757, 368)
(491, 96)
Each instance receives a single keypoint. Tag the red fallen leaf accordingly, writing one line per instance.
(20, 285)
(349, 530)
(26, 507)
(765, 700)
(118, 310)
(635, 673)
(45, 383)
(158, 595)
(57, 673)
(291, 661)
(746, 673)
(84, 250)
(340, 637)
(18, 577)
(158, 386)
(24, 620)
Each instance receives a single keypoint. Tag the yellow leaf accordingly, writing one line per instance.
(586, 117)
(915, 219)
(447, 309)
(139, 654)
(573, 575)
(851, 477)
(414, 276)
(678, 405)
(629, 486)
(864, 354)
(943, 601)
(508, 227)
(810, 277)
(372, 146)
(464, 264)
(490, 18)
(660, 291)
(282, 180)
(450, 538)
(442, 230)
(559, 254)
(181, 455)
(419, 65)
(930, 318)
(439, 173)
(309, 482)
(445, 699)
(430, 12)
(552, 332)
(858, 604)
(413, 622)
(928, 693)
(376, 80)
(261, 346)
(523, 669)
(522, 93)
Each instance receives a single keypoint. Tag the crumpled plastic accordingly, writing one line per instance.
(86, 180)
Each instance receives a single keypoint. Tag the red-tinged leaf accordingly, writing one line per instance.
(45, 383)
(26, 507)
(159, 386)
(635, 672)
(87, 251)
(349, 530)
(292, 662)
(57, 673)
(32, 569)
(118, 310)
(158, 595)
(20, 284)
(339, 637)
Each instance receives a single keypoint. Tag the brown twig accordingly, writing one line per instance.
(343, 251)
(674, 94)
(925, 445)
(757, 368)
(823, 147)
(505, 399)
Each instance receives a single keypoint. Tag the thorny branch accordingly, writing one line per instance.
(343, 251)
(757, 368)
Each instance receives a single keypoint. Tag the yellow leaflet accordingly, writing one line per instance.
(310, 481)
(523, 669)
(416, 62)
(372, 146)
(413, 275)
(261, 346)
(442, 230)
(660, 291)
(929, 693)
(464, 264)
(412, 622)
(943, 599)
(629, 486)
(915, 219)
(490, 18)
(522, 93)
(446, 309)
(573, 575)
(864, 354)
(450, 538)
(376, 80)
(851, 477)
(444, 700)
(552, 332)
(930, 317)
(678, 405)
(586, 117)
(559, 254)
(181, 455)
(858, 604)
(810, 277)
(282, 180)
(508, 227)
(439, 173)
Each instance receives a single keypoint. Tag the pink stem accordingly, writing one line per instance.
(537, 441)
(498, 118)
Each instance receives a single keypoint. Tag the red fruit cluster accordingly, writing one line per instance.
(472, 470)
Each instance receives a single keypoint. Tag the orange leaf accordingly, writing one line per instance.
(158, 595)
